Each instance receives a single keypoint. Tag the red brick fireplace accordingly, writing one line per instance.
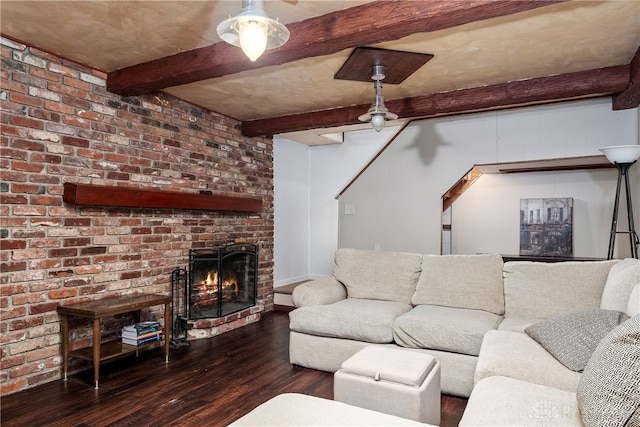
(60, 125)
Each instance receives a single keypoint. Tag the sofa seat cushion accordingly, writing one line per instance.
(356, 319)
(545, 290)
(387, 276)
(447, 280)
(517, 324)
(457, 330)
(516, 355)
(503, 401)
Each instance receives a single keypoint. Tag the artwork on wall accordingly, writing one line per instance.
(546, 227)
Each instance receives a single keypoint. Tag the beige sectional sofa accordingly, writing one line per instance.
(456, 308)
(589, 380)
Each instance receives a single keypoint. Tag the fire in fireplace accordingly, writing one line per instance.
(219, 281)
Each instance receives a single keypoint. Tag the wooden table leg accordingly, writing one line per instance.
(167, 332)
(64, 325)
(96, 351)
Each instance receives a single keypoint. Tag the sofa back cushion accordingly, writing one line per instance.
(633, 309)
(620, 283)
(544, 290)
(461, 281)
(388, 276)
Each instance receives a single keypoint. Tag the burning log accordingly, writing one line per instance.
(207, 292)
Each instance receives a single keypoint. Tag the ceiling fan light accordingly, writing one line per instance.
(251, 29)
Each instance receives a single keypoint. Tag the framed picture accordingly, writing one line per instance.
(546, 227)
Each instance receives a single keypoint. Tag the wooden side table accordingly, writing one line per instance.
(99, 309)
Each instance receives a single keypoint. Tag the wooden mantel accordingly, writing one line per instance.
(122, 197)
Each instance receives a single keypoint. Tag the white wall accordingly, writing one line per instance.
(486, 218)
(306, 183)
(291, 212)
(398, 199)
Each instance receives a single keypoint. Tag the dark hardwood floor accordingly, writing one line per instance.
(210, 383)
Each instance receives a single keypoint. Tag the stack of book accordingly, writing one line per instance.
(142, 333)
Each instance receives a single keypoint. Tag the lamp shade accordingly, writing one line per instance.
(622, 153)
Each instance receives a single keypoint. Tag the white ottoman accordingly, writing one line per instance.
(399, 382)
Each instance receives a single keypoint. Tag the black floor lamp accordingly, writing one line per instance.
(623, 157)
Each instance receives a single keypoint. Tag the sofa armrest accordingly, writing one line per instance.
(319, 292)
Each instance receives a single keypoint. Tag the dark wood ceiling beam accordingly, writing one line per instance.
(366, 24)
(630, 96)
(522, 92)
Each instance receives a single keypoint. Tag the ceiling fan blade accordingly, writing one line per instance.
(293, 2)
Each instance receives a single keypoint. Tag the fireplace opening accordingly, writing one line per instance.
(219, 281)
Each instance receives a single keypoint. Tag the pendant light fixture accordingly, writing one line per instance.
(253, 30)
(378, 113)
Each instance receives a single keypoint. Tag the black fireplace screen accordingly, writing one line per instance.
(221, 281)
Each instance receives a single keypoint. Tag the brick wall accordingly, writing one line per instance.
(59, 124)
